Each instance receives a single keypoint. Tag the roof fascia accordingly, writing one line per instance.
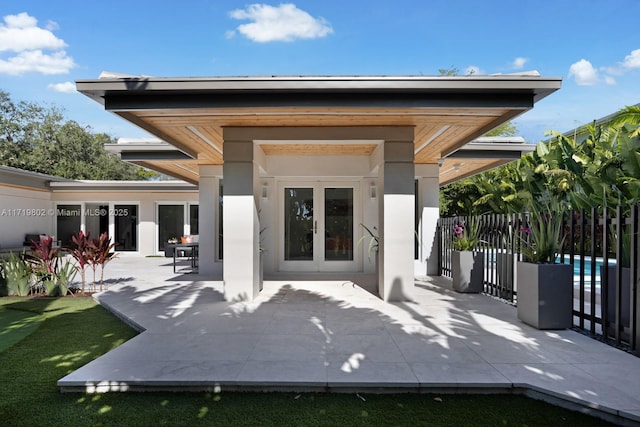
(538, 86)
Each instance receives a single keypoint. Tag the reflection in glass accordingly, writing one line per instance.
(126, 227)
(170, 223)
(338, 211)
(193, 219)
(298, 224)
(68, 222)
(96, 219)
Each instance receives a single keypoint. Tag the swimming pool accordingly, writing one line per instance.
(588, 266)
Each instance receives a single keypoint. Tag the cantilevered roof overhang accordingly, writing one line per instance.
(190, 113)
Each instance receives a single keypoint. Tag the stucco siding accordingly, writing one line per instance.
(23, 211)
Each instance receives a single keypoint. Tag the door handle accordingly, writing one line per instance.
(315, 227)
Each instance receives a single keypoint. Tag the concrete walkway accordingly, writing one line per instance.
(337, 336)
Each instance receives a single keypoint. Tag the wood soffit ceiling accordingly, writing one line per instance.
(437, 131)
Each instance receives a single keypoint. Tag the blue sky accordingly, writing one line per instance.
(593, 45)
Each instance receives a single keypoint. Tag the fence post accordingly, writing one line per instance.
(594, 219)
(604, 280)
(635, 304)
(618, 284)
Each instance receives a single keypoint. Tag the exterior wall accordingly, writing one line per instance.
(24, 211)
(147, 210)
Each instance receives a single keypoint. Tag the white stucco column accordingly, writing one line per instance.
(241, 258)
(207, 196)
(396, 254)
(429, 212)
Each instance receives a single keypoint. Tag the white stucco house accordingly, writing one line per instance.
(279, 173)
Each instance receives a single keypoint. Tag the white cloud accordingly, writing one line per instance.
(36, 61)
(30, 48)
(632, 60)
(283, 23)
(584, 73)
(66, 87)
(609, 80)
(472, 70)
(519, 63)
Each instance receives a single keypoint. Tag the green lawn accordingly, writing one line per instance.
(49, 338)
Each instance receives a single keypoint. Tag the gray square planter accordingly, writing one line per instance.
(545, 295)
(467, 271)
(612, 291)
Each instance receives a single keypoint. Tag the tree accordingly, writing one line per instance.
(39, 139)
(452, 71)
(505, 129)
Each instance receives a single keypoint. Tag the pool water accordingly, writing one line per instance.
(588, 265)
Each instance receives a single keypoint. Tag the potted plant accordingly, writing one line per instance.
(545, 287)
(609, 276)
(467, 265)
(374, 241)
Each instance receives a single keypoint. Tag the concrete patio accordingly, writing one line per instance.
(332, 334)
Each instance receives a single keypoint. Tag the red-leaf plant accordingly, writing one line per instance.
(78, 250)
(44, 258)
(99, 250)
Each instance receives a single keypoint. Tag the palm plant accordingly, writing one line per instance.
(629, 115)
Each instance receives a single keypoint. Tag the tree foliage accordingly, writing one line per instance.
(601, 168)
(39, 139)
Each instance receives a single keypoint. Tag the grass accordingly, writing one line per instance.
(73, 331)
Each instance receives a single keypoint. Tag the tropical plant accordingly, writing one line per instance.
(17, 273)
(543, 236)
(100, 253)
(78, 250)
(64, 276)
(466, 234)
(44, 262)
(3, 282)
(374, 241)
(629, 115)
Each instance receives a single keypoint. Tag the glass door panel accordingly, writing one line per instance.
(317, 231)
(338, 224)
(68, 222)
(298, 224)
(126, 227)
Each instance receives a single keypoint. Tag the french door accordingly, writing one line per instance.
(318, 229)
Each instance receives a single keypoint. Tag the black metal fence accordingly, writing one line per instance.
(604, 253)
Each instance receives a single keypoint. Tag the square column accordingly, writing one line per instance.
(241, 258)
(397, 237)
(429, 212)
(207, 199)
